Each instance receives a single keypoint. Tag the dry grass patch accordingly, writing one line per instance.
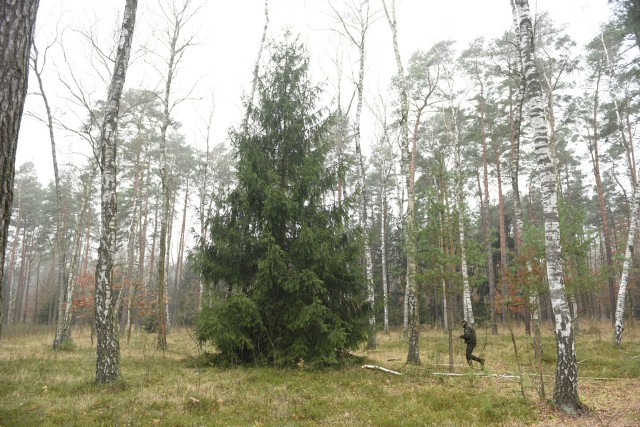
(42, 387)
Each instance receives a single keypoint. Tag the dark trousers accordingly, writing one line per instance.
(470, 357)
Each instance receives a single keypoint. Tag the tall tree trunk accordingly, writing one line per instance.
(61, 335)
(63, 331)
(35, 302)
(467, 307)
(506, 294)
(595, 157)
(16, 35)
(566, 385)
(20, 286)
(532, 305)
(176, 18)
(383, 252)
(624, 278)
(413, 356)
(486, 214)
(11, 277)
(108, 346)
(358, 38)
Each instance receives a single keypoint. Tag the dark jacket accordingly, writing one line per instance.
(469, 335)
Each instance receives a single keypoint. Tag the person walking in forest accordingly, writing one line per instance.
(469, 337)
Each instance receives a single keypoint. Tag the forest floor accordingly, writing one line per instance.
(42, 387)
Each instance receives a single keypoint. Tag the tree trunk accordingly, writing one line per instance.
(624, 278)
(108, 347)
(413, 356)
(506, 295)
(595, 157)
(61, 335)
(176, 19)
(11, 277)
(63, 331)
(466, 291)
(566, 385)
(486, 214)
(16, 35)
(383, 252)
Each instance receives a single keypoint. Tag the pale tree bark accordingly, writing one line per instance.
(532, 296)
(384, 156)
(10, 281)
(413, 356)
(356, 32)
(383, 254)
(183, 226)
(506, 297)
(467, 307)
(532, 305)
(566, 385)
(108, 346)
(624, 278)
(63, 333)
(17, 23)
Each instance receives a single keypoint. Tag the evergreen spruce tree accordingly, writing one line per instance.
(295, 290)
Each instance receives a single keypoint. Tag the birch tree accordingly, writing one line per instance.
(409, 160)
(355, 30)
(566, 384)
(17, 22)
(624, 278)
(63, 327)
(108, 346)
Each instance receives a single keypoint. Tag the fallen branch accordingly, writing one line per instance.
(503, 376)
(380, 368)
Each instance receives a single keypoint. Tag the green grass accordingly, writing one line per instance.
(41, 387)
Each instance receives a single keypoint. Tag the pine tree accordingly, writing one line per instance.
(295, 289)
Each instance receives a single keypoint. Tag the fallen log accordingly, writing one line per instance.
(380, 368)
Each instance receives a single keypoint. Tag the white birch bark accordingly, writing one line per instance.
(63, 329)
(467, 307)
(108, 346)
(624, 278)
(67, 308)
(383, 251)
(362, 16)
(413, 356)
(566, 383)
(514, 163)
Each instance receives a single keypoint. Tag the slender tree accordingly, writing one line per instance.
(566, 384)
(356, 32)
(409, 159)
(108, 348)
(176, 19)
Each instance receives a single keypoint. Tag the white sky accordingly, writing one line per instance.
(229, 34)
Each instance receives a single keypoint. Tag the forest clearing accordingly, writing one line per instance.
(291, 213)
(42, 387)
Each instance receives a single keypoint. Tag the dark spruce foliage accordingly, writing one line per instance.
(294, 289)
